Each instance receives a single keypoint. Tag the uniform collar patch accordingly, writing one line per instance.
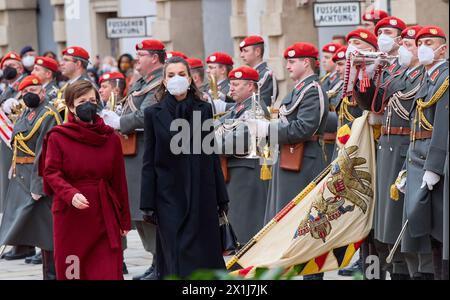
(391, 68)
(300, 86)
(435, 75)
(31, 116)
(414, 74)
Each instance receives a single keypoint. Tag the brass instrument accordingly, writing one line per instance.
(112, 102)
(16, 111)
(213, 87)
(370, 58)
(60, 103)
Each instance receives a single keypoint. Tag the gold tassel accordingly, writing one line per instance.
(266, 172)
(376, 132)
(394, 193)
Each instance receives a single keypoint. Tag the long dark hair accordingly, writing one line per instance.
(161, 92)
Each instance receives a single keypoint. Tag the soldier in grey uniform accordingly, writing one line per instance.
(13, 73)
(27, 219)
(252, 53)
(198, 74)
(423, 206)
(46, 68)
(333, 85)
(220, 65)
(247, 192)
(331, 78)
(151, 56)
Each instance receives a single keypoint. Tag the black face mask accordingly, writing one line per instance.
(31, 100)
(9, 73)
(86, 111)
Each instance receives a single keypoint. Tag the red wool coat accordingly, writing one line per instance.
(86, 159)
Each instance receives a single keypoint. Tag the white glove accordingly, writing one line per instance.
(258, 128)
(220, 106)
(400, 183)
(430, 179)
(111, 118)
(375, 119)
(36, 197)
(9, 104)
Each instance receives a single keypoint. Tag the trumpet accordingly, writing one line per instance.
(213, 87)
(16, 111)
(370, 58)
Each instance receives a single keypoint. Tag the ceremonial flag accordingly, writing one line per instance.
(321, 228)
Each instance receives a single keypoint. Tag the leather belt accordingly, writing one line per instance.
(422, 135)
(314, 138)
(395, 131)
(329, 136)
(25, 160)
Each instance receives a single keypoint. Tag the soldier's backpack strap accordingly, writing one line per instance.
(129, 100)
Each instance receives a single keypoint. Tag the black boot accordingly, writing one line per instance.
(37, 259)
(48, 265)
(19, 252)
(146, 273)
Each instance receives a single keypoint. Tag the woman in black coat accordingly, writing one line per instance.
(182, 194)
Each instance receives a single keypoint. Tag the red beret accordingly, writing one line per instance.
(48, 63)
(76, 52)
(10, 55)
(299, 50)
(391, 22)
(151, 45)
(250, 41)
(220, 58)
(340, 54)
(363, 35)
(375, 15)
(331, 48)
(111, 76)
(244, 73)
(194, 63)
(431, 31)
(177, 54)
(411, 32)
(29, 81)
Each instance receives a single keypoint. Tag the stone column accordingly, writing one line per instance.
(179, 25)
(59, 25)
(285, 22)
(18, 24)
(238, 25)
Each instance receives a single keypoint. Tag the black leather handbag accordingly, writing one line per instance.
(229, 241)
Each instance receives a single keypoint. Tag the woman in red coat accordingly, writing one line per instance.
(83, 169)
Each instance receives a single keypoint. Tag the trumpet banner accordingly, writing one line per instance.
(321, 228)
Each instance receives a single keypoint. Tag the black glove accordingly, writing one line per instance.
(149, 216)
(223, 209)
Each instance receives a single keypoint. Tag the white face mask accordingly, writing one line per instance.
(405, 56)
(28, 61)
(350, 49)
(178, 85)
(426, 55)
(385, 43)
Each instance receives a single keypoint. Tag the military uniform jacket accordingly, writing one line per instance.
(303, 114)
(391, 153)
(5, 153)
(26, 221)
(247, 197)
(267, 84)
(423, 208)
(51, 90)
(329, 81)
(140, 96)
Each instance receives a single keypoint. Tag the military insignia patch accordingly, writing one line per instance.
(12, 56)
(299, 87)
(140, 46)
(31, 116)
(40, 62)
(391, 68)
(35, 81)
(212, 58)
(368, 16)
(414, 74)
(238, 75)
(411, 32)
(169, 55)
(291, 53)
(393, 22)
(71, 51)
(434, 75)
(332, 48)
(364, 35)
(106, 76)
(433, 31)
(242, 44)
(341, 54)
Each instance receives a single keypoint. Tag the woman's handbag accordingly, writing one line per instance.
(229, 241)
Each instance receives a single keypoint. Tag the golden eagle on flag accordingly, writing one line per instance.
(321, 228)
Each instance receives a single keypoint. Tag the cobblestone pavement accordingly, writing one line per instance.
(136, 258)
